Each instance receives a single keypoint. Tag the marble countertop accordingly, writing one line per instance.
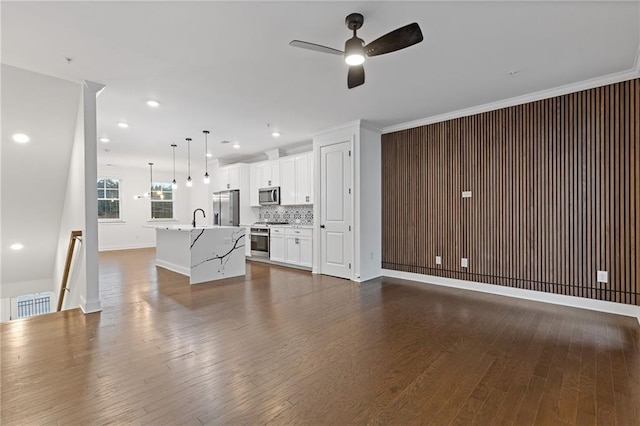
(290, 225)
(189, 227)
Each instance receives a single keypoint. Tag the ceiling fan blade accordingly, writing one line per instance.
(316, 47)
(355, 77)
(395, 40)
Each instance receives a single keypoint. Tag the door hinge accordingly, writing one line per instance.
(349, 227)
(349, 190)
(349, 266)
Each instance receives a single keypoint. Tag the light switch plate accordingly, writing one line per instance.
(603, 276)
(438, 260)
(464, 262)
(466, 194)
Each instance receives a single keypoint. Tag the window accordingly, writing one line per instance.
(108, 198)
(161, 201)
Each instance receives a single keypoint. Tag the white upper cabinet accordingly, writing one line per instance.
(293, 174)
(229, 177)
(263, 175)
(296, 183)
(288, 184)
(254, 178)
(270, 174)
(304, 179)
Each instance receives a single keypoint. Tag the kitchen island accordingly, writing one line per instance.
(203, 253)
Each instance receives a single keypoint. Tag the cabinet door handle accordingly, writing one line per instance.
(297, 242)
(322, 226)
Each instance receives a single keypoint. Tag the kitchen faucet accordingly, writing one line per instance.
(194, 216)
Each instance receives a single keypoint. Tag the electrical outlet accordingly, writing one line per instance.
(466, 194)
(603, 276)
(464, 262)
(438, 260)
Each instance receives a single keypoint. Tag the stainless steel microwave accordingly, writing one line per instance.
(269, 196)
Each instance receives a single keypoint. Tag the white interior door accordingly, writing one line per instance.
(335, 210)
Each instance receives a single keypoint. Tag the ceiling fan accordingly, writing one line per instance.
(355, 49)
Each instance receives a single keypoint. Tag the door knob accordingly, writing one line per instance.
(322, 226)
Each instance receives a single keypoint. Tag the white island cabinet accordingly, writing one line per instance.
(204, 253)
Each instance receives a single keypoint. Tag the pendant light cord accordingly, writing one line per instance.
(150, 180)
(173, 145)
(206, 150)
(189, 155)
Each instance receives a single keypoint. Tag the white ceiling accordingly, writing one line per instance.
(227, 66)
(34, 174)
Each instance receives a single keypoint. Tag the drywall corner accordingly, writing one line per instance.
(73, 219)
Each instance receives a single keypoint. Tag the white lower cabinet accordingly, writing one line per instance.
(306, 251)
(276, 245)
(292, 245)
(298, 247)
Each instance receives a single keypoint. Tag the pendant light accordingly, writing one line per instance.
(189, 182)
(151, 181)
(206, 166)
(148, 194)
(174, 184)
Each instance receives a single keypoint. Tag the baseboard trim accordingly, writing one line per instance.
(372, 277)
(556, 299)
(273, 262)
(173, 267)
(127, 247)
(91, 306)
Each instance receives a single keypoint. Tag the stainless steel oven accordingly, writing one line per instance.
(260, 241)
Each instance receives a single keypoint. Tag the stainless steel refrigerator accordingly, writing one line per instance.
(226, 208)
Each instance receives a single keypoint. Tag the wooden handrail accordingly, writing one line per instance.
(67, 266)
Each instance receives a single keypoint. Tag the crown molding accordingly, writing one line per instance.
(337, 127)
(519, 100)
(370, 126)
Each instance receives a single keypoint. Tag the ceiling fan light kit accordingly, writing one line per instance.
(355, 49)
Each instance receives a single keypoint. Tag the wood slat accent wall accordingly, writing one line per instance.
(555, 195)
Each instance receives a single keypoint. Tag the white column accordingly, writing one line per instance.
(90, 91)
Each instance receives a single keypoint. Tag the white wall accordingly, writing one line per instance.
(367, 197)
(34, 174)
(201, 194)
(73, 219)
(130, 231)
(368, 190)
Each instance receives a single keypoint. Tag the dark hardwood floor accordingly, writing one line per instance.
(282, 346)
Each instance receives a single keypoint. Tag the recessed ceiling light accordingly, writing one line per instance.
(275, 134)
(123, 125)
(224, 141)
(21, 138)
(236, 145)
(153, 104)
(17, 246)
(209, 155)
(104, 140)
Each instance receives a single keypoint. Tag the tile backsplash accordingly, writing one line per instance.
(288, 214)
